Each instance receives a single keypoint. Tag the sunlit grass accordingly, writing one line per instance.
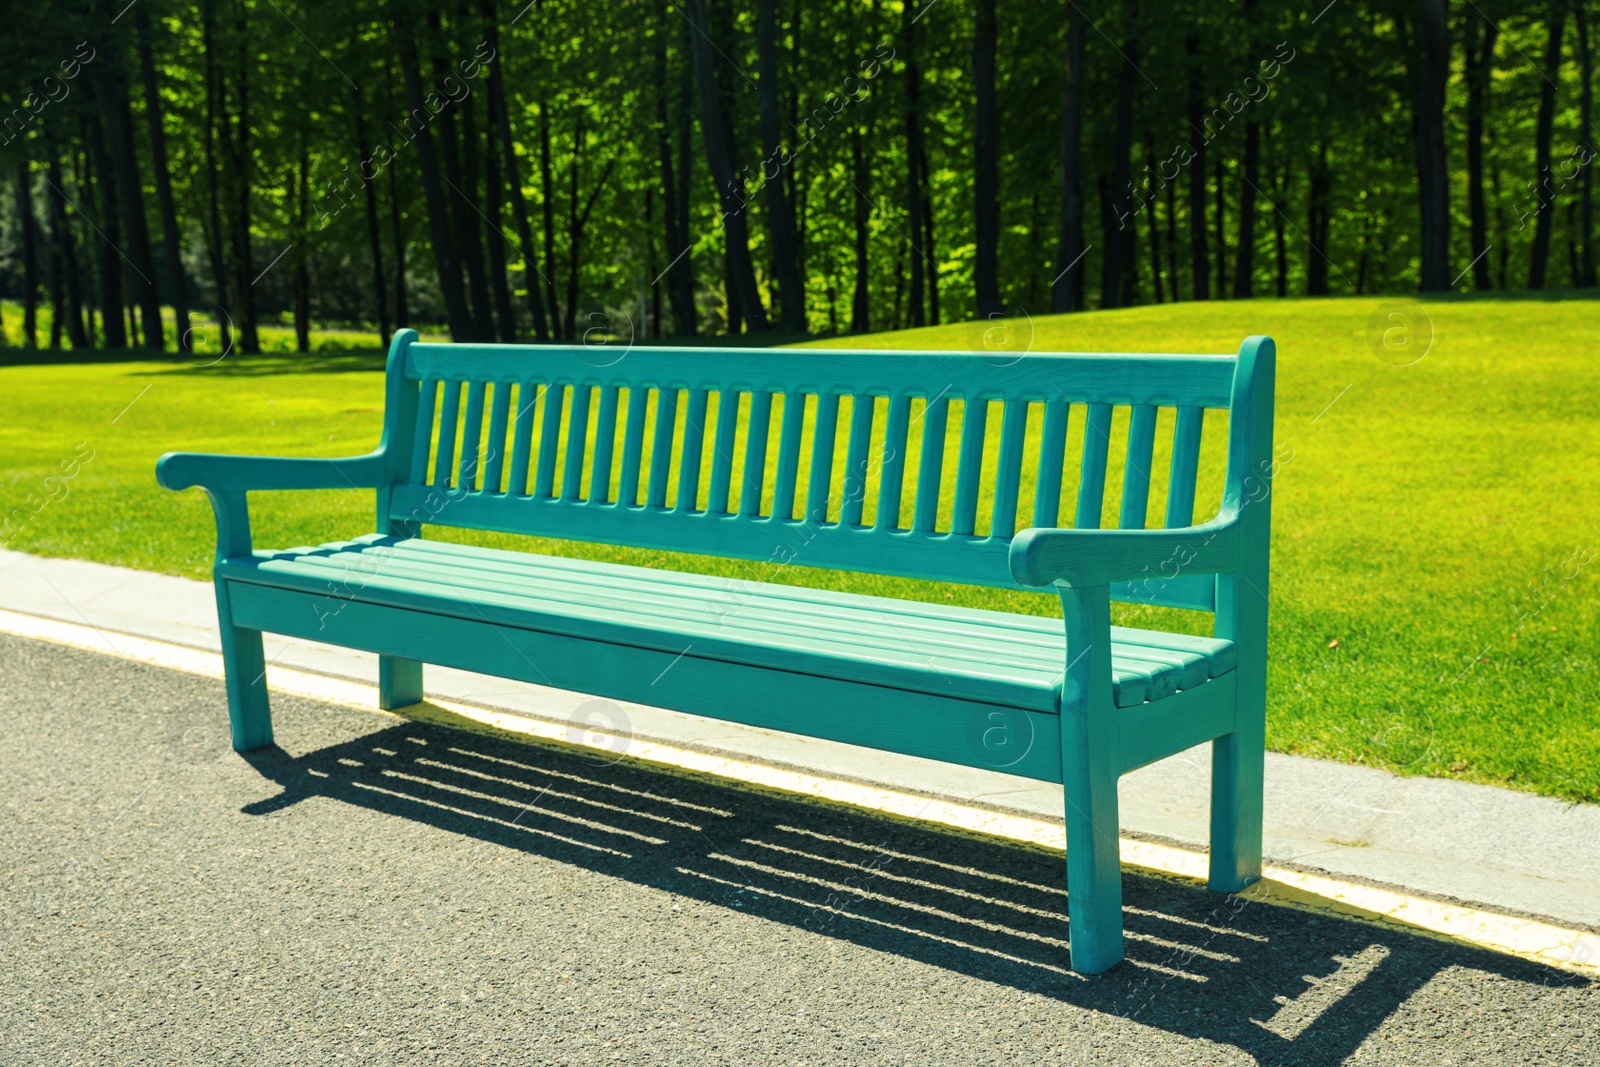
(1434, 599)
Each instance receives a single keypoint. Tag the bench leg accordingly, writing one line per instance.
(399, 682)
(1089, 784)
(1094, 865)
(245, 665)
(1237, 763)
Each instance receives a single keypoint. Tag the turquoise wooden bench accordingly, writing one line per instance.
(647, 453)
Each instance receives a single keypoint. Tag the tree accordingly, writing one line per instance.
(1066, 289)
(1479, 65)
(730, 193)
(780, 213)
(1545, 191)
(1200, 264)
(986, 166)
(162, 170)
(1433, 180)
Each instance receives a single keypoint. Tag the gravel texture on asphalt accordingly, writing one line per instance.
(378, 891)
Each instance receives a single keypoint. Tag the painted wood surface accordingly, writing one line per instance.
(929, 476)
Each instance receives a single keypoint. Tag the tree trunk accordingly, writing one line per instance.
(213, 227)
(30, 255)
(461, 195)
(913, 157)
(578, 219)
(67, 246)
(461, 325)
(171, 242)
(861, 168)
(1285, 173)
(112, 327)
(501, 115)
(402, 312)
(548, 207)
(570, 314)
(1586, 264)
(1155, 223)
(118, 122)
(1545, 188)
(1433, 178)
(301, 198)
(1480, 64)
(1244, 270)
(680, 277)
(731, 299)
(1222, 229)
(930, 250)
(236, 140)
(1066, 291)
(374, 240)
(781, 221)
(1317, 224)
(652, 293)
(494, 194)
(58, 302)
(1199, 257)
(714, 128)
(1172, 240)
(986, 166)
(1118, 209)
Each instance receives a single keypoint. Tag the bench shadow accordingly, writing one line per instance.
(1284, 986)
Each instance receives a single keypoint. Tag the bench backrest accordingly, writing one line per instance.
(914, 464)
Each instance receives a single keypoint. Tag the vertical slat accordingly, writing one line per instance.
(755, 453)
(935, 420)
(633, 444)
(1052, 446)
(694, 438)
(444, 466)
(495, 461)
(822, 438)
(1008, 472)
(467, 469)
(1092, 484)
(605, 439)
(896, 435)
(549, 436)
(422, 438)
(722, 445)
(1185, 467)
(794, 413)
(661, 446)
(522, 438)
(1136, 474)
(577, 442)
(855, 460)
(969, 465)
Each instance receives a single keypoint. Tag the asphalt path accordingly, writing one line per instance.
(379, 891)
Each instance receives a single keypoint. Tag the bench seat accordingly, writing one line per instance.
(986, 656)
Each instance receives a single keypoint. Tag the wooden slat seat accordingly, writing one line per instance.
(930, 466)
(993, 657)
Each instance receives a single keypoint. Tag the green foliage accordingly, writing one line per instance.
(290, 111)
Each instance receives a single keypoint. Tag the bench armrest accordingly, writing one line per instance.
(219, 473)
(1084, 558)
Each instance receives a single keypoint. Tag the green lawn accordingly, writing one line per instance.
(1435, 546)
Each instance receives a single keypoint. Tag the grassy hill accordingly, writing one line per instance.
(1435, 532)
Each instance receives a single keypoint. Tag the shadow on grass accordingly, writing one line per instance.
(1281, 985)
(323, 360)
(337, 359)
